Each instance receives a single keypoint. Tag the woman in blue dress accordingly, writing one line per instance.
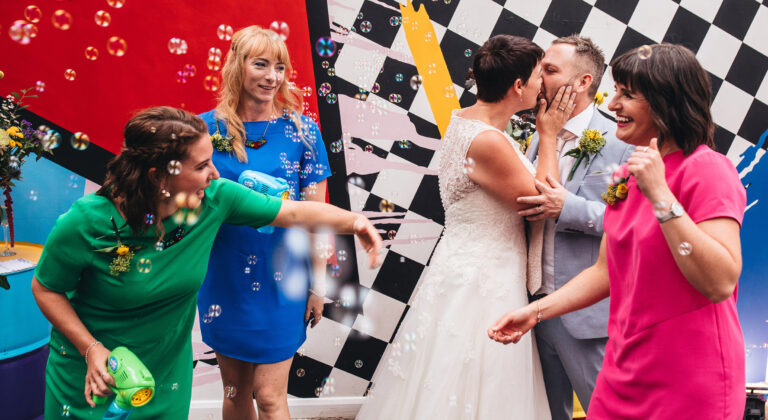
(256, 301)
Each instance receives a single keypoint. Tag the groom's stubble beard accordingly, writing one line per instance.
(548, 93)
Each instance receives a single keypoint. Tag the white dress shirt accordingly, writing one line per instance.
(576, 125)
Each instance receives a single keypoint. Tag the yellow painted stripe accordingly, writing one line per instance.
(436, 81)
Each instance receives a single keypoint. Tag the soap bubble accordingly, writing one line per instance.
(91, 53)
(644, 52)
(18, 32)
(469, 166)
(300, 373)
(177, 46)
(51, 139)
(230, 391)
(102, 18)
(174, 167)
(281, 29)
(685, 248)
(70, 74)
(80, 141)
(325, 47)
(211, 83)
(62, 20)
(116, 46)
(214, 310)
(331, 98)
(144, 265)
(255, 286)
(32, 13)
(40, 86)
(386, 206)
(467, 53)
(116, 3)
(416, 81)
(358, 363)
(365, 26)
(224, 32)
(213, 63)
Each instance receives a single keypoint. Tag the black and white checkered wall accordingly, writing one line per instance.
(343, 352)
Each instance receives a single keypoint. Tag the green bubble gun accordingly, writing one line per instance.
(135, 386)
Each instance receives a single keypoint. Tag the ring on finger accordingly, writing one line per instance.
(645, 149)
(561, 108)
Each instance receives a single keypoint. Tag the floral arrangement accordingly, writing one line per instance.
(590, 143)
(17, 140)
(618, 189)
(521, 129)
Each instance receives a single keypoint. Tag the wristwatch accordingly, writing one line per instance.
(675, 210)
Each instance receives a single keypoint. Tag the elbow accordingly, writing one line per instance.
(722, 291)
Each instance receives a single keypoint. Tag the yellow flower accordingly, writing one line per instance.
(600, 97)
(621, 191)
(122, 250)
(528, 141)
(15, 131)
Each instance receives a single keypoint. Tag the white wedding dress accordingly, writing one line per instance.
(442, 365)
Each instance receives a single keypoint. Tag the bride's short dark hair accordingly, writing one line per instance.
(500, 61)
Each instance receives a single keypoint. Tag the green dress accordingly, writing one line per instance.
(150, 308)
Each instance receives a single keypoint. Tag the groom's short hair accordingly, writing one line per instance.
(500, 61)
(590, 57)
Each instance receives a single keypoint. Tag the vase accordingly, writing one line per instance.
(6, 250)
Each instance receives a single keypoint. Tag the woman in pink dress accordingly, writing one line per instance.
(670, 257)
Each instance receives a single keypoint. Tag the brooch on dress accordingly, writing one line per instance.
(122, 253)
(618, 189)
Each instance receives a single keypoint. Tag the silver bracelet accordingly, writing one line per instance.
(90, 346)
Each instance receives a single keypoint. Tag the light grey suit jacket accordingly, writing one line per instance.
(579, 228)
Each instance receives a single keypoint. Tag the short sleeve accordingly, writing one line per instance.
(711, 188)
(314, 160)
(244, 206)
(66, 252)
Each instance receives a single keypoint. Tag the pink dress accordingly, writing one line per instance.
(671, 353)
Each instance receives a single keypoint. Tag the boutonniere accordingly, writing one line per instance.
(591, 142)
(521, 130)
(599, 98)
(618, 189)
(122, 253)
(221, 143)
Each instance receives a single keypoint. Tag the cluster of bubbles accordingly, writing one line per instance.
(187, 72)
(214, 311)
(395, 98)
(214, 59)
(177, 46)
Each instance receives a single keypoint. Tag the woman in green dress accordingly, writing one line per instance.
(123, 266)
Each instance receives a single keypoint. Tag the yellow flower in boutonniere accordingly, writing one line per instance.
(15, 132)
(600, 98)
(621, 191)
(618, 189)
(591, 142)
(122, 250)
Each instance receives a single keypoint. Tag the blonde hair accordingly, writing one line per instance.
(249, 42)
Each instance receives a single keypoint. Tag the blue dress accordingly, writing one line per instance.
(254, 297)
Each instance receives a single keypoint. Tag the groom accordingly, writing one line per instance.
(571, 347)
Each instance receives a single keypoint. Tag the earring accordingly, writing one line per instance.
(165, 193)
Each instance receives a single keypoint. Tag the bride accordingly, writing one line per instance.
(441, 364)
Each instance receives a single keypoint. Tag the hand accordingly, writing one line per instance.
(511, 327)
(369, 238)
(315, 307)
(549, 121)
(546, 205)
(646, 165)
(96, 377)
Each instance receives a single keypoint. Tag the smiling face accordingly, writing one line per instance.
(263, 76)
(197, 170)
(633, 116)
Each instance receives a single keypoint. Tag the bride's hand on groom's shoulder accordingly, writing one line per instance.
(511, 327)
(551, 118)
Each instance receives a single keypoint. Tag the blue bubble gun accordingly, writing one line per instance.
(266, 184)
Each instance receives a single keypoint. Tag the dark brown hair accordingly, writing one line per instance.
(590, 57)
(677, 89)
(502, 60)
(153, 138)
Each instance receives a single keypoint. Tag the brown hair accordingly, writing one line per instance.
(677, 89)
(500, 62)
(249, 42)
(589, 55)
(153, 138)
